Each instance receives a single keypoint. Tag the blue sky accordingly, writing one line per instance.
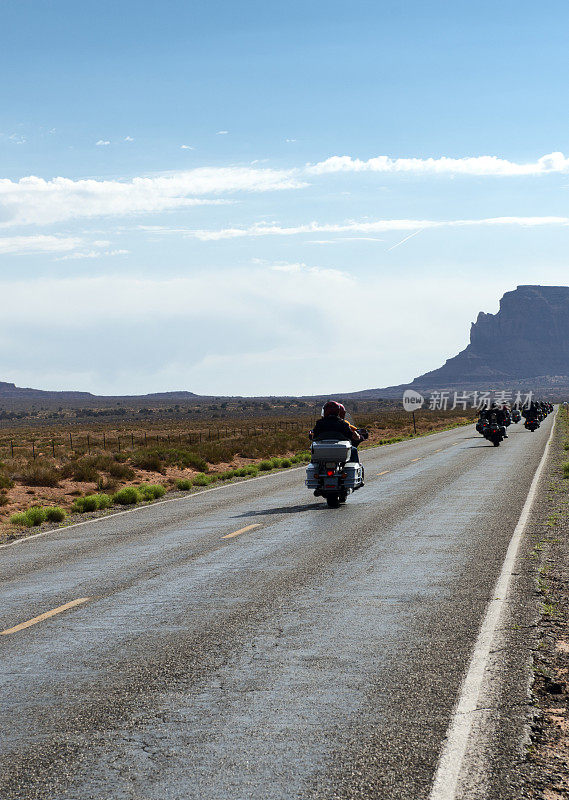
(216, 196)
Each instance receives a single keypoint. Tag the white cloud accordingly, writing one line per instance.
(24, 245)
(478, 165)
(17, 139)
(102, 143)
(186, 147)
(128, 139)
(93, 254)
(222, 133)
(378, 226)
(33, 200)
(289, 141)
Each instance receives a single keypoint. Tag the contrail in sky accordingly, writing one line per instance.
(404, 240)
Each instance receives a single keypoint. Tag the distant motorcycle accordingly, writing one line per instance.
(495, 433)
(481, 425)
(516, 416)
(331, 473)
(531, 424)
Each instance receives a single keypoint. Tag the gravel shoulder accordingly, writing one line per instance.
(544, 771)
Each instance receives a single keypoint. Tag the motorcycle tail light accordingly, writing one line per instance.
(330, 472)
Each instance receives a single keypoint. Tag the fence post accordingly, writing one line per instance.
(88, 444)
(53, 448)
(34, 449)
(104, 441)
(145, 440)
(12, 447)
(119, 441)
(132, 440)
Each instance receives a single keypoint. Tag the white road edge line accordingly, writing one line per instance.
(449, 768)
(196, 494)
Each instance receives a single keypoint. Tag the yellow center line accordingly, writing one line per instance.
(415, 459)
(440, 450)
(382, 473)
(47, 615)
(241, 530)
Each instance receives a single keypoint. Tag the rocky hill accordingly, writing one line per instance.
(524, 346)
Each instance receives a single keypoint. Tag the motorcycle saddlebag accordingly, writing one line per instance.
(353, 475)
(311, 480)
(331, 450)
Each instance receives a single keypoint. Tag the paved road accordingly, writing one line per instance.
(317, 655)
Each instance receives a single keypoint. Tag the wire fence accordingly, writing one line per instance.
(114, 441)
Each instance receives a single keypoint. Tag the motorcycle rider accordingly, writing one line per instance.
(333, 424)
(498, 415)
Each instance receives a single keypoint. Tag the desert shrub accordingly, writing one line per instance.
(4, 499)
(107, 484)
(566, 469)
(104, 501)
(121, 471)
(82, 470)
(253, 471)
(127, 496)
(35, 515)
(151, 491)
(40, 473)
(265, 466)
(201, 479)
(120, 457)
(147, 460)
(5, 481)
(184, 485)
(286, 463)
(171, 456)
(92, 502)
(20, 519)
(54, 514)
(84, 504)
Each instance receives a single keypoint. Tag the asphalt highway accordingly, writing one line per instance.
(251, 643)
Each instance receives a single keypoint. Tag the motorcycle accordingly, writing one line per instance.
(481, 425)
(516, 416)
(531, 424)
(331, 473)
(495, 433)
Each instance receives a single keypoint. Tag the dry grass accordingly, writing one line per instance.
(156, 454)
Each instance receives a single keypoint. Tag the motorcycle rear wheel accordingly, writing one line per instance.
(333, 500)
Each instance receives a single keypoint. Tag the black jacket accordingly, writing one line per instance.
(332, 428)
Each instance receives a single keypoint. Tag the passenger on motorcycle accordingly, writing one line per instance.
(333, 425)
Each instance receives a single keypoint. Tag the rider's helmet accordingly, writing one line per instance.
(333, 409)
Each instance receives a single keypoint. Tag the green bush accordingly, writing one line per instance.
(264, 466)
(201, 480)
(184, 485)
(20, 519)
(92, 502)
(4, 499)
(286, 462)
(151, 491)
(127, 496)
(35, 515)
(253, 471)
(566, 469)
(54, 514)
(85, 504)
